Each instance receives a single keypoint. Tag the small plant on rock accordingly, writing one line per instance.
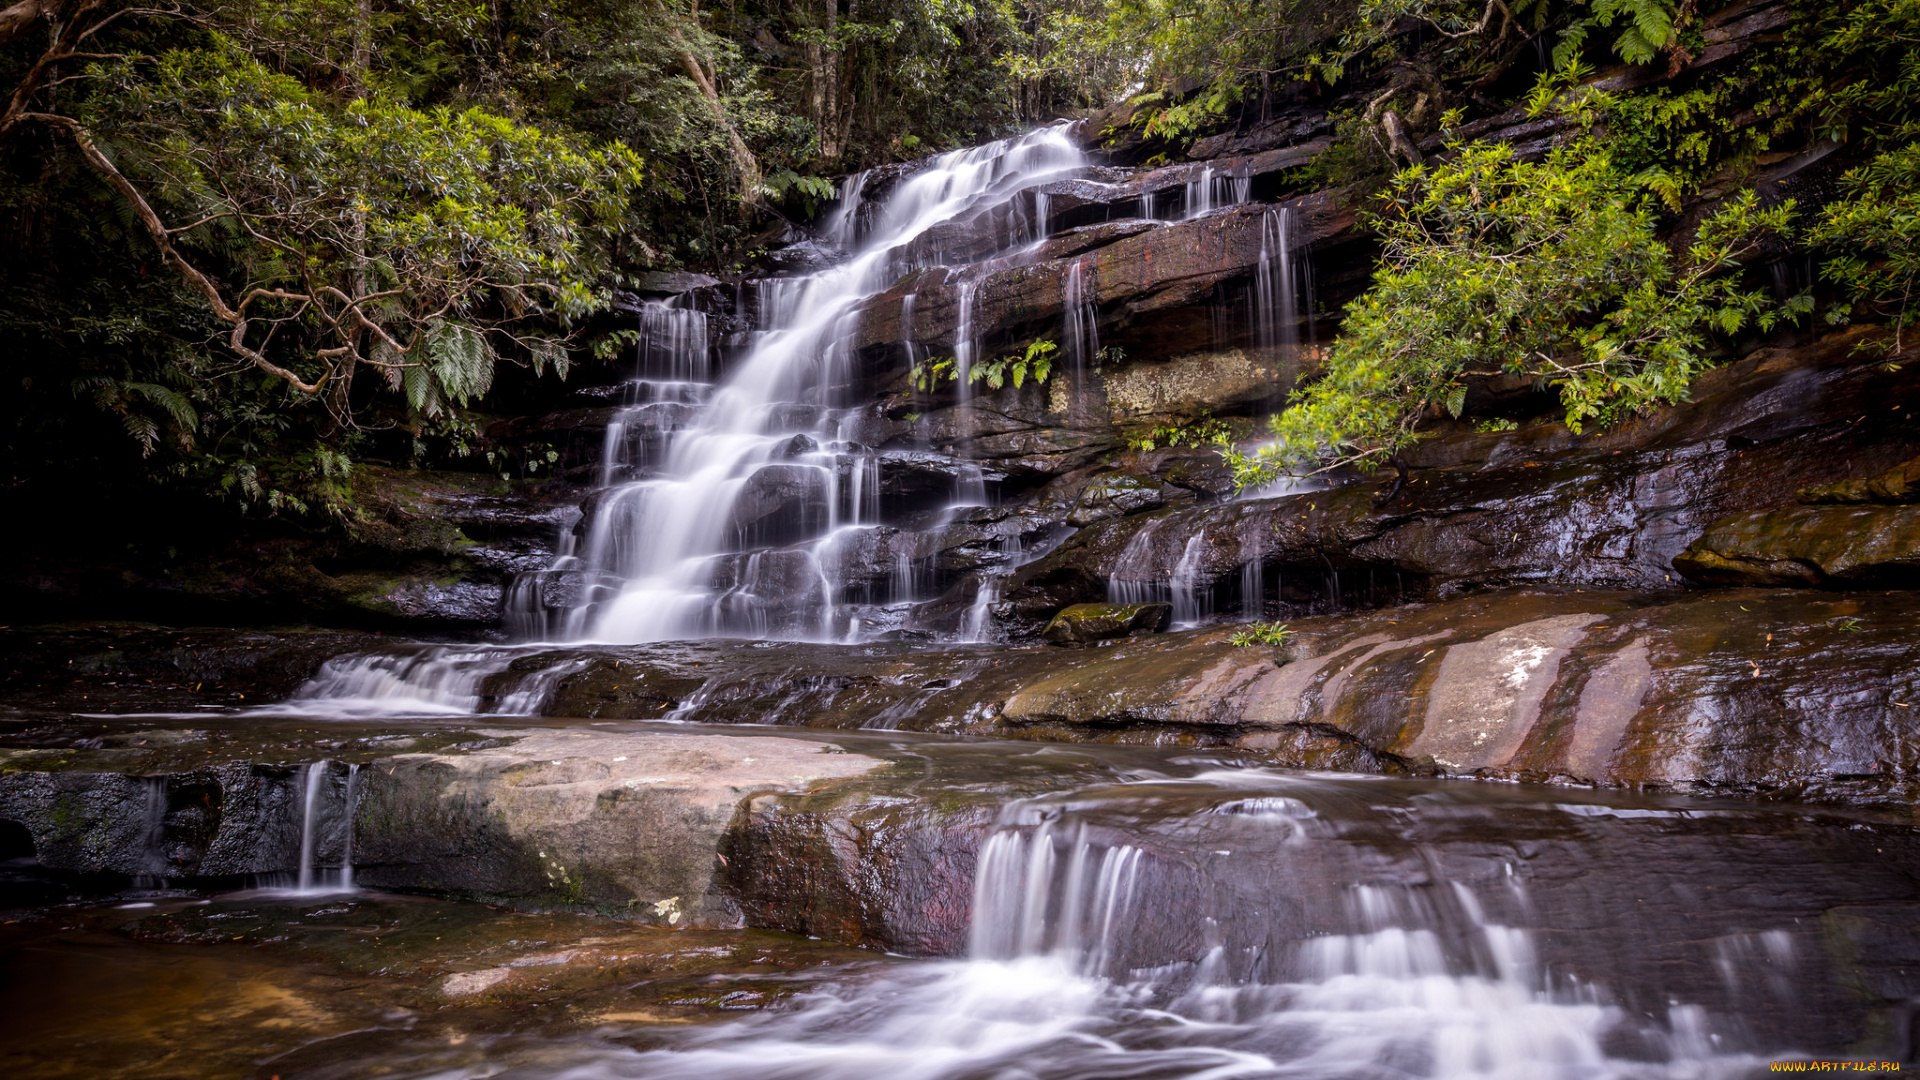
(1036, 363)
(1261, 633)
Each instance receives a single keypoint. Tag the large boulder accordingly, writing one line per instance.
(777, 495)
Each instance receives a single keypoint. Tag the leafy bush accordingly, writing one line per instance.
(1497, 266)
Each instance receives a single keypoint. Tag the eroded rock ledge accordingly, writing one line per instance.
(1781, 692)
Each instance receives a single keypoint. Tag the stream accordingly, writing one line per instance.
(1130, 912)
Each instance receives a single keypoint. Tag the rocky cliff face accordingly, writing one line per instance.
(1190, 289)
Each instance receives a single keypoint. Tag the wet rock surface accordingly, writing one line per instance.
(1803, 693)
(1810, 545)
(607, 821)
(430, 551)
(1606, 509)
(1791, 923)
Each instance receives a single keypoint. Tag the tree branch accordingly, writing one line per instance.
(157, 231)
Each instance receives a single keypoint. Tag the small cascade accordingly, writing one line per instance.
(1253, 576)
(973, 626)
(963, 353)
(1132, 580)
(312, 776)
(1029, 900)
(1080, 328)
(1200, 193)
(153, 842)
(843, 228)
(326, 826)
(674, 353)
(435, 680)
(1276, 307)
(1192, 597)
(353, 808)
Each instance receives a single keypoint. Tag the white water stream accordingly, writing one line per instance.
(715, 525)
(1419, 985)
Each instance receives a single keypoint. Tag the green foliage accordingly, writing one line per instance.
(1874, 234)
(1206, 431)
(1262, 633)
(933, 371)
(1871, 236)
(1035, 363)
(1495, 266)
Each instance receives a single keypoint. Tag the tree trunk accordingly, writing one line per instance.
(359, 64)
(744, 162)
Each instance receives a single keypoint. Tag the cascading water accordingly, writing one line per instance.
(1080, 328)
(1246, 924)
(326, 823)
(1276, 303)
(721, 534)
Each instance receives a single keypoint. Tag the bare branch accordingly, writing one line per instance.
(157, 231)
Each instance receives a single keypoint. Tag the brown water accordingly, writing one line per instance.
(261, 985)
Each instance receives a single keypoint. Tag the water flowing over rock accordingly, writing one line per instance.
(1302, 922)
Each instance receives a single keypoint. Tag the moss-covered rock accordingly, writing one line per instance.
(1900, 484)
(1084, 623)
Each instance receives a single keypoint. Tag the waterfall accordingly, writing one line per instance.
(1027, 903)
(674, 353)
(1080, 319)
(1200, 193)
(153, 842)
(1253, 579)
(697, 538)
(325, 828)
(1276, 309)
(353, 805)
(312, 776)
(842, 228)
(1192, 597)
(973, 625)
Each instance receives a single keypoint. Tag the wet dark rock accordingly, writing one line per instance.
(232, 819)
(432, 551)
(1810, 545)
(1083, 624)
(798, 445)
(1115, 495)
(670, 282)
(118, 667)
(781, 491)
(1278, 132)
(1200, 470)
(1067, 198)
(1137, 277)
(1898, 485)
(859, 866)
(1605, 509)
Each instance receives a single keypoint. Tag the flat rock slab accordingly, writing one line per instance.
(578, 817)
